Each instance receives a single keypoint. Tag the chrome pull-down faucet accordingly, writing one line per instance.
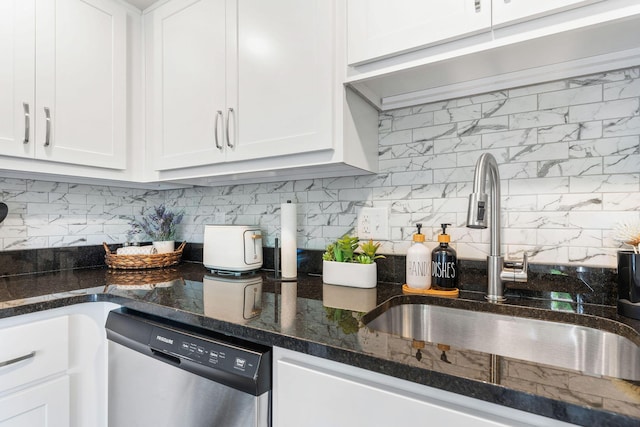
(477, 218)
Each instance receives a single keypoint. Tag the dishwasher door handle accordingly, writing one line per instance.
(166, 357)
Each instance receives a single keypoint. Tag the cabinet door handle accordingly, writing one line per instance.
(47, 118)
(219, 116)
(477, 4)
(229, 144)
(18, 359)
(27, 122)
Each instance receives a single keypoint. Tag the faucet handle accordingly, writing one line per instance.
(515, 271)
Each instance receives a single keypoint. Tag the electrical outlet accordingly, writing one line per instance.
(373, 223)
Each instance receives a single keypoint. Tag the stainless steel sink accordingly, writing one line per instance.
(591, 351)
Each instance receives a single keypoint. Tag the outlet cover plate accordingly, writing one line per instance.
(373, 223)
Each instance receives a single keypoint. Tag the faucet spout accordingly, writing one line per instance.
(477, 218)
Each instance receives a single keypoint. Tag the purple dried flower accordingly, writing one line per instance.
(158, 225)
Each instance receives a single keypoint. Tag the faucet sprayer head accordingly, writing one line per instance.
(477, 212)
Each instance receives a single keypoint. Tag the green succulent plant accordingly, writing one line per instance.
(344, 250)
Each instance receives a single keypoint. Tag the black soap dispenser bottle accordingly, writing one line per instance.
(444, 263)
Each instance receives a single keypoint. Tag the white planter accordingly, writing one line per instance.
(165, 246)
(349, 274)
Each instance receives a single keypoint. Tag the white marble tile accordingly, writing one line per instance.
(627, 88)
(554, 185)
(412, 122)
(622, 164)
(412, 178)
(621, 202)
(602, 147)
(393, 138)
(552, 117)
(569, 237)
(604, 183)
(434, 132)
(604, 110)
(569, 202)
(392, 193)
(571, 167)
(510, 105)
(552, 220)
(513, 138)
(574, 96)
(482, 126)
(458, 144)
(538, 152)
(458, 114)
(603, 220)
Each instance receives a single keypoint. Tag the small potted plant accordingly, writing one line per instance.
(159, 225)
(343, 265)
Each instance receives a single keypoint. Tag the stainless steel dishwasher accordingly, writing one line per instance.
(166, 374)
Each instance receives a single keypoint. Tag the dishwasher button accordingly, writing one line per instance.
(240, 363)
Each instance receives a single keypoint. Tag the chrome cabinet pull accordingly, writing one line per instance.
(18, 359)
(47, 137)
(215, 129)
(229, 144)
(477, 4)
(27, 122)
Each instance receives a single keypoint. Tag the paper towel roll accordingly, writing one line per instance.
(288, 225)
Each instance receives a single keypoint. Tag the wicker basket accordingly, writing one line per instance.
(134, 262)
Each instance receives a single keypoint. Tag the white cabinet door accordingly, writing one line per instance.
(379, 28)
(281, 78)
(313, 392)
(511, 11)
(80, 112)
(17, 32)
(188, 83)
(42, 405)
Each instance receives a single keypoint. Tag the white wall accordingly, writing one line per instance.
(569, 155)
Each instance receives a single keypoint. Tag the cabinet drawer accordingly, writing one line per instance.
(33, 351)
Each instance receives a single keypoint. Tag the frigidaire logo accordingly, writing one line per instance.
(164, 339)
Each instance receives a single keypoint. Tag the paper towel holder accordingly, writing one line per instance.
(288, 246)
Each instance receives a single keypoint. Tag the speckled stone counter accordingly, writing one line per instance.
(326, 321)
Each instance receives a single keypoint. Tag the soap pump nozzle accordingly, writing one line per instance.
(444, 237)
(418, 237)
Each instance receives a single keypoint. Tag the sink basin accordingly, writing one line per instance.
(589, 350)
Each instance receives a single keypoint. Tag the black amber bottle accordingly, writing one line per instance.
(444, 263)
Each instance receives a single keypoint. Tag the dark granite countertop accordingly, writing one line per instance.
(325, 321)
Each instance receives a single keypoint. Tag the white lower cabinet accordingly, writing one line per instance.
(53, 367)
(312, 392)
(42, 405)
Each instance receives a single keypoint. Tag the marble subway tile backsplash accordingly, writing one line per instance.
(569, 156)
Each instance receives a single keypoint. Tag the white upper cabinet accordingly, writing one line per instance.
(186, 76)
(408, 53)
(237, 80)
(510, 11)
(281, 78)
(17, 41)
(65, 81)
(379, 28)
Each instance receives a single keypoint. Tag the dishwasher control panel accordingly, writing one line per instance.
(221, 356)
